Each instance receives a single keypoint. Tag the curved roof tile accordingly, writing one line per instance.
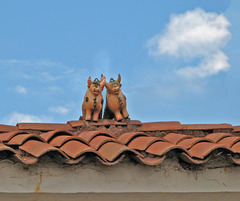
(37, 148)
(58, 141)
(149, 160)
(216, 137)
(111, 150)
(89, 135)
(125, 138)
(8, 136)
(175, 138)
(75, 148)
(100, 140)
(143, 142)
(48, 136)
(21, 138)
(189, 143)
(161, 148)
(203, 149)
(229, 141)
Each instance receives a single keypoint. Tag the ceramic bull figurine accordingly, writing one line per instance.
(115, 101)
(93, 100)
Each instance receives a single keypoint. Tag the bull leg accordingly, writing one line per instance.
(108, 114)
(118, 115)
(100, 115)
(83, 114)
(96, 115)
(125, 113)
(88, 115)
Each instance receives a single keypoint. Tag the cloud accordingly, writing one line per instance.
(42, 70)
(42, 73)
(210, 65)
(39, 62)
(195, 35)
(20, 89)
(46, 76)
(17, 117)
(59, 109)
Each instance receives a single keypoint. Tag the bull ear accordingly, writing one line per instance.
(89, 81)
(119, 78)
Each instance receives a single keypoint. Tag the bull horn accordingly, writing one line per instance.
(119, 78)
(89, 81)
(103, 81)
(103, 77)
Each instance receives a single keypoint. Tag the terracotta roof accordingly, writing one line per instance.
(110, 142)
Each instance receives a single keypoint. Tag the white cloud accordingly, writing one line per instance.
(42, 71)
(17, 117)
(39, 62)
(191, 35)
(59, 109)
(46, 76)
(210, 65)
(20, 89)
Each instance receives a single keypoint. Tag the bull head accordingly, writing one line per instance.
(96, 86)
(114, 85)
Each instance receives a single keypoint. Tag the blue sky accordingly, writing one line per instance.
(179, 60)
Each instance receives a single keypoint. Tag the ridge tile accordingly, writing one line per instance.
(43, 126)
(206, 126)
(160, 126)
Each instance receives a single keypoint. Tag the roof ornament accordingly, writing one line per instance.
(115, 100)
(116, 104)
(93, 100)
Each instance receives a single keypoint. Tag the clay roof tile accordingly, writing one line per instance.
(75, 149)
(160, 126)
(215, 137)
(21, 138)
(185, 157)
(161, 148)
(48, 136)
(236, 148)
(236, 128)
(43, 126)
(89, 135)
(37, 148)
(229, 141)
(98, 141)
(28, 160)
(175, 138)
(149, 160)
(142, 143)
(75, 124)
(58, 141)
(125, 138)
(206, 126)
(111, 150)
(202, 149)
(189, 143)
(8, 136)
(6, 148)
(7, 128)
(103, 122)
